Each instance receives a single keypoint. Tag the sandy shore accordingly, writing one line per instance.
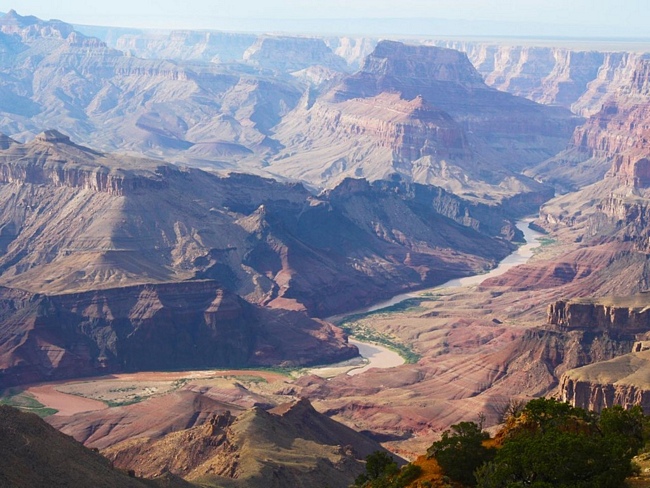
(372, 356)
(377, 356)
(67, 404)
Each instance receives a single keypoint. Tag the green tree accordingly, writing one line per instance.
(554, 444)
(461, 451)
(382, 472)
(380, 466)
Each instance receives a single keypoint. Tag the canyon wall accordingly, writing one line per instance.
(620, 379)
(595, 395)
(580, 79)
(185, 325)
(586, 315)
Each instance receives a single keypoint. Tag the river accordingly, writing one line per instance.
(377, 356)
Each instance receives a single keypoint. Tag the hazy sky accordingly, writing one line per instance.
(610, 17)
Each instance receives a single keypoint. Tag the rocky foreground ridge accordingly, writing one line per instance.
(290, 445)
(36, 454)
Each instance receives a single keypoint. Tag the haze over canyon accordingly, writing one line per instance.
(192, 223)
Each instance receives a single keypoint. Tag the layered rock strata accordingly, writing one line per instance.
(75, 219)
(423, 113)
(601, 317)
(189, 325)
(578, 79)
(621, 381)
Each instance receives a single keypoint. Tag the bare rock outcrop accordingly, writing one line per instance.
(424, 113)
(287, 54)
(291, 445)
(190, 325)
(580, 80)
(625, 316)
(614, 140)
(620, 381)
(20, 166)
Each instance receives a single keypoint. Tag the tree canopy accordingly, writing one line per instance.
(546, 444)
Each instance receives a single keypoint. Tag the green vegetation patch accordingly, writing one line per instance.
(246, 379)
(546, 444)
(353, 327)
(366, 334)
(123, 403)
(25, 402)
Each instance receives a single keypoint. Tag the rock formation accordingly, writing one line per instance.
(188, 325)
(54, 76)
(620, 381)
(624, 316)
(109, 266)
(425, 114)
(291, 445)
(614, 140)
(36, 454)
(580, 80)
(287, 54)
(75, 220)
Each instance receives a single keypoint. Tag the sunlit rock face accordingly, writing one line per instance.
(424, 113)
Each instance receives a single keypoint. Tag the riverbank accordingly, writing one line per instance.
(381, 356)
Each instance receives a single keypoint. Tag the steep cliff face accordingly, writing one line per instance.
(73, 219)
(194, 324)
(598, 316)
(579, 80)
(613, 141)
(288, 54)
(619, 134)
(619, 381)
(20, 165)
(424, 113)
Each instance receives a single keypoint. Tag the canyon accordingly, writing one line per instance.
(203, 201)
(105, 269)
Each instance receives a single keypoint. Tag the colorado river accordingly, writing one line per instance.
(378, 356)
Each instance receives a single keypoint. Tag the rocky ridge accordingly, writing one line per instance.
(620, 381)
(188, 325)
(144, 229)
(580, 79)
(288, 54)
(36, 454)
(613, 315)
(291, 445)
(423, 113)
